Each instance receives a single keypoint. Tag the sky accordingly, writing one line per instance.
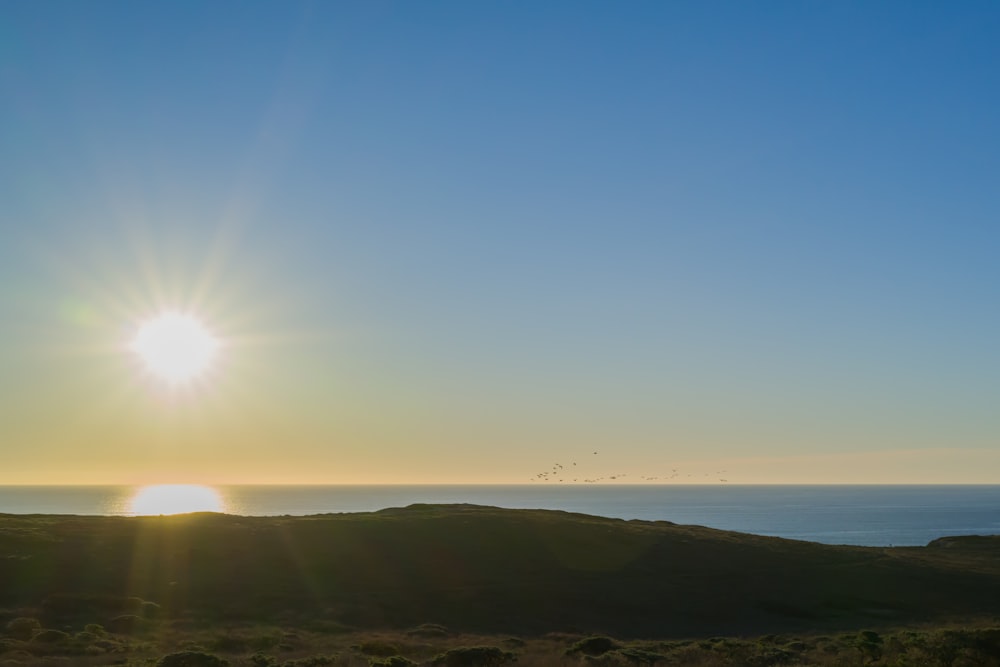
(463, 242)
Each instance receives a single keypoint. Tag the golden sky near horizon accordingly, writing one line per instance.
(472, 243)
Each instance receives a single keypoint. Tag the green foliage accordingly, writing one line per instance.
(262, 660)
(869, 643)
(639, 656)
(392, 661)
(593, 646)
(377, 648)
(84, 637)
(181, 640)
(770, 657)
(474, 656)
(50, 637)
(17, 658)
(483, 571)
(95, 629)
(126, 624)
(429, 630)
(869, 637)
(23, 628)
(191, 659)
(9, 645)
(149, 610)
(324, 625)
(312, 661)
(230, 644)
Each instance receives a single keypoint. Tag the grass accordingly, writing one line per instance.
(170, 646)
(457, 585)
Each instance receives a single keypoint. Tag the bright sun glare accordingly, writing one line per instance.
(175, 347)
(175, 499)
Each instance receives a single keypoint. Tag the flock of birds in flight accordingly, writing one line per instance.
(561, 473)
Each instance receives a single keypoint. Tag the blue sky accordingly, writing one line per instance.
(461, 241)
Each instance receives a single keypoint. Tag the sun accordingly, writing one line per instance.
(176, 499)
(175, 347)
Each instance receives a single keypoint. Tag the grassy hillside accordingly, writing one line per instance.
(481, 569)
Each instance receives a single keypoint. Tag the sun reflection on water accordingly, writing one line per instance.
(176, 499)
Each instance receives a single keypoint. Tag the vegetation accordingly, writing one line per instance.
(461, 585)
(174, 645)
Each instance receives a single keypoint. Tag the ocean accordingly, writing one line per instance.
(858, 515)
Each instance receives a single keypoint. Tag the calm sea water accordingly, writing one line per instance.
(861, 515)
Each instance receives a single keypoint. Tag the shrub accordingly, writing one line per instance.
(392, 661)
(149, 609)
(8, 645)
(262, 660)
(869, 636)
(265, 641)
(594, 646)
(18, 658)
(125, 624)
(312, 661)
(474, 656)
(771, 656)
(381, 649)
(108, 645)
(640, 656)
(23, 628)
(191, 659)
(95, 629)
(50, 637)
(428, 630)
(229, 644)
(870, 644)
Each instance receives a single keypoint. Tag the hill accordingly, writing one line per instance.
(483, 569)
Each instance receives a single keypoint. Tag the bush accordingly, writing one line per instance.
(9, 645)
(149, 610)
(18, 658)
(23, 628)
(126, 624)
(594, 646)
(640, 656)
(95, 629)
(50, 637)
(870, 644)
(428, 630)
(392, 661)
(312, 661)
(771, 656)
(263, 660)
(230, 644)
(191, 659)
(381, 649)
(107, 645)
(474, 656)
